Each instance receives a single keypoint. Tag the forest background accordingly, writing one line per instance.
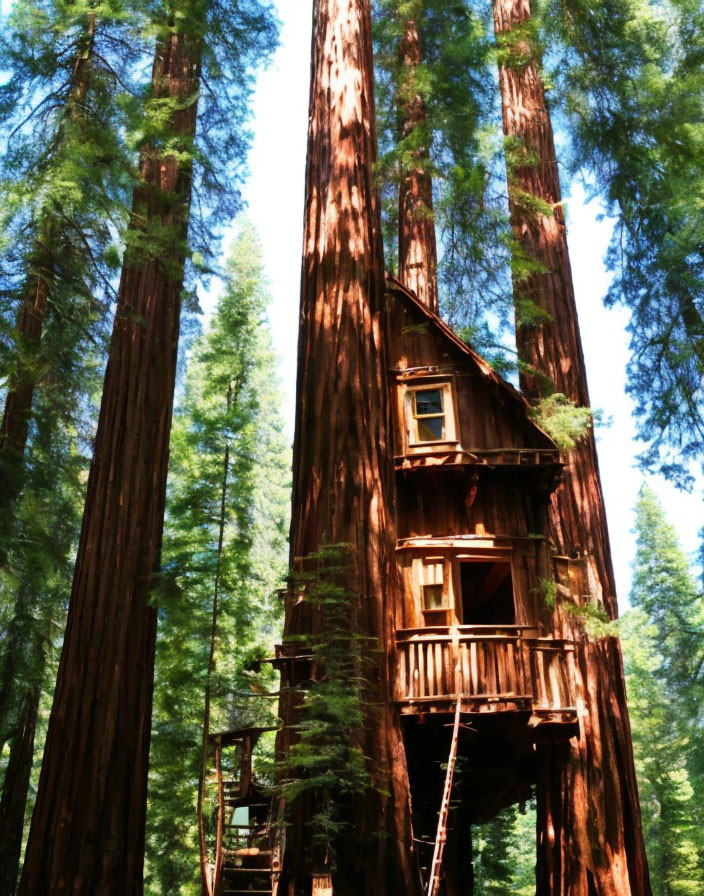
(274, 193)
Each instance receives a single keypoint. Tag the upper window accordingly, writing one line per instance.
(429, 414)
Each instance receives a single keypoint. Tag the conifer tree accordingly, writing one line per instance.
(102, 703)
(438, 120)
(631, 82)
(664, 654)
(63, 188)
(671, 810)
(343, 465)
(244, 560)
(575, 795)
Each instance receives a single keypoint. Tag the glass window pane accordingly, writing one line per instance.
(431, 429)
(429, 401)
(432, 597)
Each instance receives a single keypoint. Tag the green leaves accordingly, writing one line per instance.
(663, 642)
(562, 420)
(326, 761)
(234, 354)
(630, 78)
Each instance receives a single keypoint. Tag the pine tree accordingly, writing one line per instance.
(234, 357)
(102, 703)
(631, 84)
(671, 811)
(65, 175)
(575, 795)
(664, 657)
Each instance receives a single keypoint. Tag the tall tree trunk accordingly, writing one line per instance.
(343, 464)
(38, 286)
(87, 833)
(417, 250)
(15, 789)
(591, 842)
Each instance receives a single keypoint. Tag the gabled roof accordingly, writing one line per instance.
(483, 367)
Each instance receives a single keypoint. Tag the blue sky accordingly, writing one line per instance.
(275, 196)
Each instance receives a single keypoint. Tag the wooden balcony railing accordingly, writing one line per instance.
(493, 668)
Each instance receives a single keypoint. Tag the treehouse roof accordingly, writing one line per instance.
(506, 395)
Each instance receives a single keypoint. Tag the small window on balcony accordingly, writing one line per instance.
(430, 414)
(433, 591)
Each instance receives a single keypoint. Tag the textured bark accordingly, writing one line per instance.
(590, 840)
(15, 789)
(87, 833)
(38, 285)
(343, 462)
(417, 251)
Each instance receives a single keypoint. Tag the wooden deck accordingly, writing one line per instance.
(492, 668)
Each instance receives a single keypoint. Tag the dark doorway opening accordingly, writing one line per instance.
(487, 593)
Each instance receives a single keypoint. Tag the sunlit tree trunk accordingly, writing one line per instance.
(417, 252)
(87, 833)
(343, 463)
(590, 835)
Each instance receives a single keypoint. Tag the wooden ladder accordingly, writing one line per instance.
(441, 838)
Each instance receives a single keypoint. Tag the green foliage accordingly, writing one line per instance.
(234, 354)
(663, 642)
(463, 142)
(326, 761)
(504, 853)
(630, 79)
(548, 590)
(562, 420)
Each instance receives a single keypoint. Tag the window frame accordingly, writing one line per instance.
(409, 418)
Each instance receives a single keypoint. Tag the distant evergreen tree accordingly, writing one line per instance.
(233, 358)
(663, 651)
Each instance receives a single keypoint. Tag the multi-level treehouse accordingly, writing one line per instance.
(473, 477)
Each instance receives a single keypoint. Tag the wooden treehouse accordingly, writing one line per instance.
(474, 627)
(240, 839)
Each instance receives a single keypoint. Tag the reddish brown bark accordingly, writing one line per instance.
(87, 833)
(417, 251)
(15, 789)
(590, 833)
(343, 463)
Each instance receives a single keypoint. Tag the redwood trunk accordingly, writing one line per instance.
(590, 838)
(417, 252)
(87, 834)
(14, 792)
(343, 463)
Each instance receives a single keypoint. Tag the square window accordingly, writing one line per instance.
(433, 597)
(428, 417)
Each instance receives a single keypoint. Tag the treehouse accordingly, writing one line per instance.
(474, 473)
(474, 627)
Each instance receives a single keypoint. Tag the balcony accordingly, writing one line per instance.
(495, 669)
